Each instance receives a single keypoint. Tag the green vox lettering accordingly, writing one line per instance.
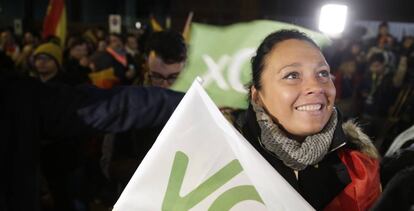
(174, 202)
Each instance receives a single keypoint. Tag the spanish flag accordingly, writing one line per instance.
(187, 28)
(156, 27)
(55, 20)
(104, 79)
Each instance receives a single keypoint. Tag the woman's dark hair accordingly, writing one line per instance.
(266, 47)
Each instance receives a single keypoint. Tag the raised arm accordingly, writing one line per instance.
(85, 110)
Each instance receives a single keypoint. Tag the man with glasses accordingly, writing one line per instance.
(167, 54)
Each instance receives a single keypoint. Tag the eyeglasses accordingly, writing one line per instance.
(159, 79)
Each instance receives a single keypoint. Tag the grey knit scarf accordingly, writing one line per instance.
(294, 154)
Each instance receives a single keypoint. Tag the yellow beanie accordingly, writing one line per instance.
(50, 49)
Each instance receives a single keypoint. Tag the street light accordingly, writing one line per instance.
(332, 19)
(138, 25)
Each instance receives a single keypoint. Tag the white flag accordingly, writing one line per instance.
(201, 162)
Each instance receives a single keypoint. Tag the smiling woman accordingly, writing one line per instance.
(293, 123)
(297, 70)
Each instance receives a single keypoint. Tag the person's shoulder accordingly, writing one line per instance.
(359, 141)
(361, 159)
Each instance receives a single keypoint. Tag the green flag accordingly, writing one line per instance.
(221, 57)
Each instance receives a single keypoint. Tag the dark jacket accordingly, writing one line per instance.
(382, 98)
(129, 149)
(397, 177)
(120, 69)
(31, 111)
(76, 74)
(391, 165)
(326, 184)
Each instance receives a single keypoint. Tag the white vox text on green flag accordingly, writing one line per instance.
(221, 56)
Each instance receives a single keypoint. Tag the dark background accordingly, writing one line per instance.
(86, 13)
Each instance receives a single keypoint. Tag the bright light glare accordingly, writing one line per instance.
(138, 25)
(332, 19)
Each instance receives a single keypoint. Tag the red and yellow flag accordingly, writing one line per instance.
(104, 79)
(187, 27)
(156, 27)
(55, 20)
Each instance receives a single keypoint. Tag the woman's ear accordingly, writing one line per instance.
(255, 96)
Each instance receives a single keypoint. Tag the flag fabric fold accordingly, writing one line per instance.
(156, 27)
(201, 162)
(55, 22)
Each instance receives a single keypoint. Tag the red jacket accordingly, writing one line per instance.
(346, 179)
(365, 187)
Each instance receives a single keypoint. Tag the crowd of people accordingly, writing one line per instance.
(373, 81)
(88, 172)
(98, 58)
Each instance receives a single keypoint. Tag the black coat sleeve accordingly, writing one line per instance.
(71, 112)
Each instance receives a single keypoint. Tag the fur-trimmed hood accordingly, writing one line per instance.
(359, 139)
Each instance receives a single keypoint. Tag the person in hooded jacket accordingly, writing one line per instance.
(48, 63)
(293, 123)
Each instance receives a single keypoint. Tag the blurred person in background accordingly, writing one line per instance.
(8, 44)
(167, 55)
(346, 81)
(131, 45)
(76, 63)
(101, 45)
(400, 114)
(24, 62)
(125, 151)
(377, 94)
(123, 64)
(386, 44)
(132, 49)
(384, 38)
(48, 62)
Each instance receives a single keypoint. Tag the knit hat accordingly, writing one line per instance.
(51, 50)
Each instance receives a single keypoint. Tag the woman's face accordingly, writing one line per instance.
(297, 90)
